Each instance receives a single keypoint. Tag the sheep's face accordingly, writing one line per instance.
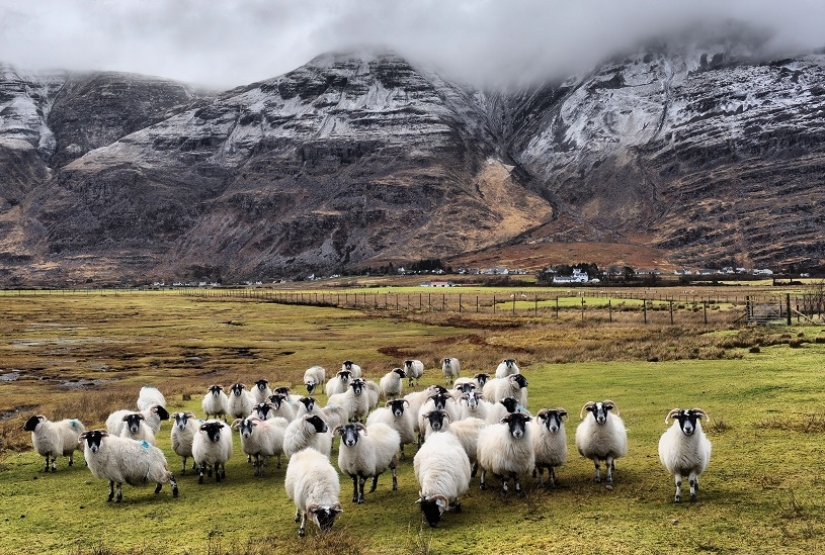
(471, 398)
(262, 410)
(33, 422)
(310, 385)
(440, 400)
(465, 387)
(317, 423)
(510, 363)
(434, 389)
(215, 390)
(344, 376)
(213, 431)
(308, 402)
(349, 434)
(689, 421)
(510, 403)
(283, 390)
(433, 507)
(408, 364)
(162, 413)
(246, 427)
(552, 419)
(357, 386)
(600, 411)
(517, 424)
(324, 517)
(237, 389)
(400, 372)
(262, 384)
(181, 419)
(436, 419)
(397, 407)
(93, 439)
(481, 379)
(520, 380)
(277, 399)
(133, 422)
(448, 362)
(347, 365)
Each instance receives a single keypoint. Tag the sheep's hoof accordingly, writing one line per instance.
(302, 532)
(200, 480)
(692, 498)
(457, 507)
(609, 487)
(677, 499)
(355, 499)
(483, 486)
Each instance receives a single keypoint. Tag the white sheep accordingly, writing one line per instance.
(339, 383)
(497, 411)
(261, 439)
(352, 368)
(54, 439)
(312, 484)
(442, 469)
(307, 431)
(335, 415)
(135, 428)
(684, 449)
(241, 401)
(282, 407)
(395, 416)
(439, 401)
(153, 416)
(148, 397)
(261, 391)
(211, 448)
(215, 403)
(549, 442)
(263, 411)
(314, 377)
(367, 452)
(414, 370)
(391, 383)
(121, 460)
(356, 400)
(472, 405)
(512, 386)
(507, 367)
(291, 398)
(451, 368)
(183, 434)
(506, 450)
(373, 393)
(309, 405)
(603, 437)
(416, 400)
(467, 431)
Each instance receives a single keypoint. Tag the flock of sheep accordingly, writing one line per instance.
(479, 423)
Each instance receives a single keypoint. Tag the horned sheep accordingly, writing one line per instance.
(442, 469)
(602, 437)
(211, 448)
(549, 442)
(684, 449)
(307, 431)
(121, 460)
(54, 439)
(312, 484)
(367, 452)
(506, 450)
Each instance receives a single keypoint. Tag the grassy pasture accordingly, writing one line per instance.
(86, 355)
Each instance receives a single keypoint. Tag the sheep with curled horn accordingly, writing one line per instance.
(603, 437)
(684, 449)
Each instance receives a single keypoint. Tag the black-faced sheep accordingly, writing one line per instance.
(261, 391)
(507, 367)
(54, 439)
(339, 383)
(312, 484)
(307, 431)
(684, 449)
(184, 428)
(506, 450)
(443, 473)
(549, 442)
(153, 416)
(602, 437)
(215, 403)
(121, 460)
(241, 401)
(367, 452)
(211, 448)
(451, 368)
(398, 417)
(261, 439)
(391, 384)
(314, 377)
(414, 370)
(512, 386)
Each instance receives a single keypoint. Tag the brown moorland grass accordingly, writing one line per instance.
(85, 355)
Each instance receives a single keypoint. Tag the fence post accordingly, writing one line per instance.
(671, 313)
(514, 304)
(705, 305)
(459, 303)
(582, 309)
(644, 309)
(609, 310)
(494, 304)
(788, 306)
(536, 306)
(443, 302)
(477, 305)
(557, 306)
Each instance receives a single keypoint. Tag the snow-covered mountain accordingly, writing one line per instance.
(706, 154)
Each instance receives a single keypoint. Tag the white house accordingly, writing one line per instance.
(577, 277)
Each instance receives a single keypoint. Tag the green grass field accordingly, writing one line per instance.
(763, 491)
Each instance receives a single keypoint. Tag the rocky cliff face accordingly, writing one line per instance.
(357, 159)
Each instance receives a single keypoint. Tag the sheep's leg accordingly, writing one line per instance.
(174, 484)
(456, 505)
(474, 470)
(394, 468)
(598, 465)
(539, 471)
(374, 483)
(183, 470)
(403, 456)
(515, 479)
(298, 515)
(119, 496)
(71, 459)
(355, 488)
(693, 480)
(111, 491)
(362, 480)
(302, 531)
(505, 487)
(47, 464)
(552, 473)
(279, 460)
(201, 471)
(610, 463)
(678, 497)
(158, 488)
(483, 485)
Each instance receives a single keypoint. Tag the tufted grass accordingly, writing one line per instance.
(762, 493)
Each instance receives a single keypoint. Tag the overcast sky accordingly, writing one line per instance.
(225, 43)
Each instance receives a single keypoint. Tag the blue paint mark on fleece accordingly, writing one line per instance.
(145, 444)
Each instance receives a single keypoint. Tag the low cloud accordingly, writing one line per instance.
(225, 43)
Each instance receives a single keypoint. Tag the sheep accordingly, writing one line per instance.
(153, 416)
(136, 428)
(602, 437)
(261, 439)
(467, 432)
(512, 386)
(291, 398)
(263, 411)
(307, 431)
(183, 433)
(261, 391)
(414, 370)
(506, 450)
(312, 484)
(549, 442)
(477, 381)
(394, 415)
(451, 369)
(442, 469)
(241, 401)
(211, 448)
(507, 367)
(373, 393)
(352, 368)
(339, 383)
(366, 452)
(497, 411)
(313, 377)
(416, 400)
(481, 379)
(439, 401)
(356, 400)
(308, 405)
(282, 407)
(391, 383)
(684, 449)
(335, 415)
(54, 439)
(472, 405)
(215, 403)
(120, 460)
(150, 396)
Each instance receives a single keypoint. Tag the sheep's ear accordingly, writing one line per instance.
(588, 406)
(562, 413)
